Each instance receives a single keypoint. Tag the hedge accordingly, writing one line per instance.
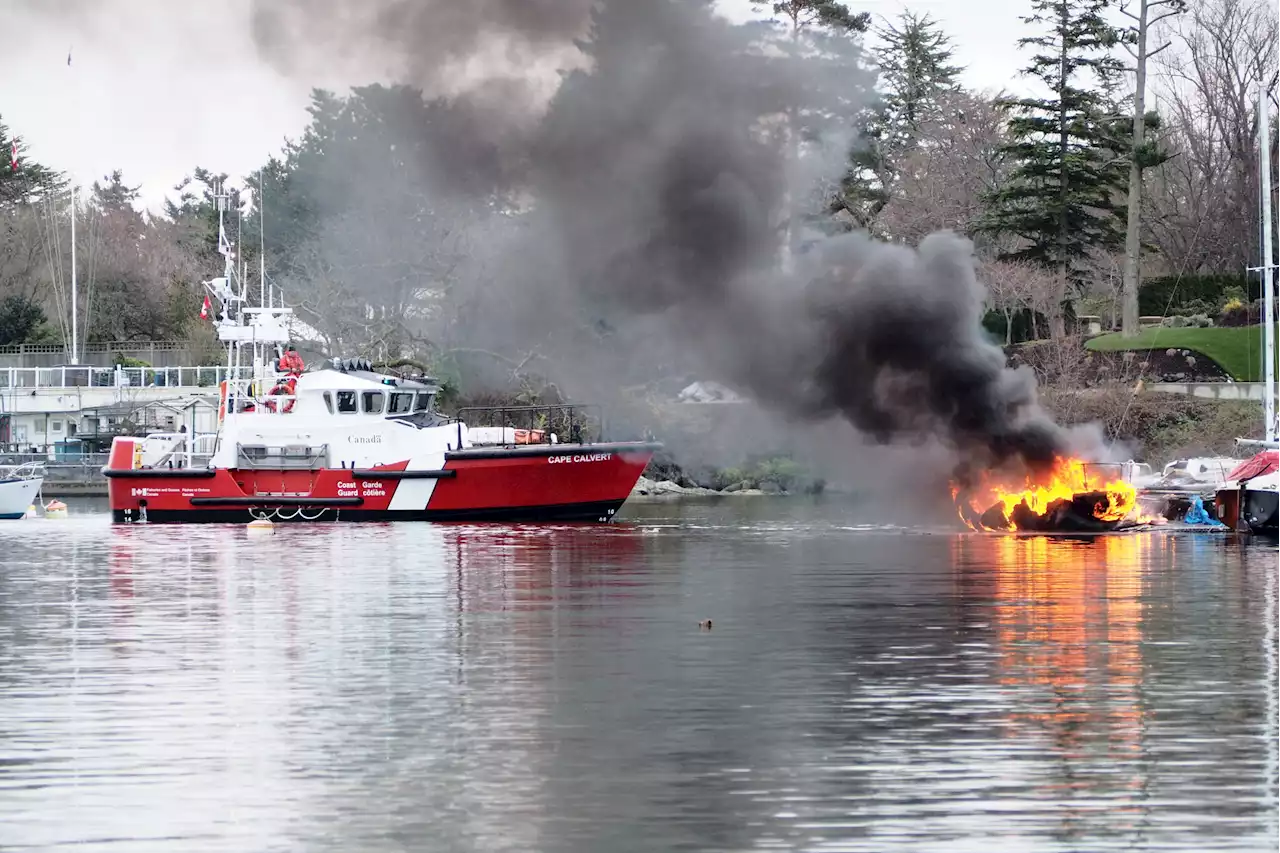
(1163, 294)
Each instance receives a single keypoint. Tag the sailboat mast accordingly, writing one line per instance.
(262, 240)
(1268, 267)
(75, 327)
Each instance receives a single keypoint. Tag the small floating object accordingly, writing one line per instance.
(31, 512)
(705, 625)
(55, 509)
(260, 525)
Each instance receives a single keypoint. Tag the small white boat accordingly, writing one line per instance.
(19, 485)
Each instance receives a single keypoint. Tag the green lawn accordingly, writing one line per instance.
(1237, 349)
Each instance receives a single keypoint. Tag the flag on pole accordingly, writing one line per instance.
(204, 309)
(13, 155)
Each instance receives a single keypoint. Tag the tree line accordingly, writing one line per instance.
(1136, 159)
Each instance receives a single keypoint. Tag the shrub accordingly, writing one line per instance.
(1232, 296)
(1197, 306)
(1200, 321)
(1175, 322)
(783, 473)
(1239, 314)
(726, 477)
(124, 361)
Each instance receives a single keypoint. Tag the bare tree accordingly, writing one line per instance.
(1013, 286)
(1148, 14)
(943, 180)
(21, 253)
(378, 283)
(1202, 203)
(1104, 287)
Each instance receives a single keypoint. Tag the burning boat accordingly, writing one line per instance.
(1073, 497)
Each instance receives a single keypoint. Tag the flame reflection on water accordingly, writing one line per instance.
(1071, 655)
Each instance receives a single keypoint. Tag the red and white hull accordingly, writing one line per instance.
(581, 483)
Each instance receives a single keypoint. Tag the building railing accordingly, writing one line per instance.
(32, 378)
(160, 450)
(107, 346)
(93, 461)
(157, 353)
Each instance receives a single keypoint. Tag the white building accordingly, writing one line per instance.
(43, 408)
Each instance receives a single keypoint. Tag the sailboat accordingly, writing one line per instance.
(1250, 496)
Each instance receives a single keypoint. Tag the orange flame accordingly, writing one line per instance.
(1069, 478)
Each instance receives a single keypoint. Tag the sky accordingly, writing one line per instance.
(158, 87)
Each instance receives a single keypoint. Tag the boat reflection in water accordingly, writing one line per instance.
(445, 645)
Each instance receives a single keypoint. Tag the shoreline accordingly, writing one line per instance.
(658, 489)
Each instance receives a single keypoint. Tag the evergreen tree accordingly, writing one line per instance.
(21, 318)
(31, 181)
(1062, 198)
(915, 71)
(115, 194)
(825, 38)
(916, 75)
(196, 213)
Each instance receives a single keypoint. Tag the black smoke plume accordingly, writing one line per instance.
(659, 177)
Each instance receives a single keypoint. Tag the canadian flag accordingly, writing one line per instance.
(204, 309)
(13, 155)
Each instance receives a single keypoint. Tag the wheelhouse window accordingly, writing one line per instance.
(374, 402)
(347, 403)
(424, 402)
(328, 401)
(401, 403)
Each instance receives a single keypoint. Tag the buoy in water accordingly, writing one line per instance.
(260, 525)
(31, 512)
(55, 509)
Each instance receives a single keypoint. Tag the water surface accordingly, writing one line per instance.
(450, 687)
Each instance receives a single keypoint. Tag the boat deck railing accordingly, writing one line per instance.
(30, 470)
(525, 425)
(178, 449)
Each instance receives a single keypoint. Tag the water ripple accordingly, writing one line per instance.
(473, 687)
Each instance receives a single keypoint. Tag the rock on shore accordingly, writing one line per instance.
(667, 488)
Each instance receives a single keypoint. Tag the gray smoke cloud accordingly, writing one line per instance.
(656, 175)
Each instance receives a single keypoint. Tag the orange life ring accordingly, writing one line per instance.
(285, 386)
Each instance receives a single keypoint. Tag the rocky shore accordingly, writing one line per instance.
(669, 488)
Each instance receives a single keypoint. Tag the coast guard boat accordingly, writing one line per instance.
(345, 442)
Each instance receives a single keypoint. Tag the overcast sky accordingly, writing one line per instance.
(157, 87)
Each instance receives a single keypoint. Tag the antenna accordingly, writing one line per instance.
(240, 270)
(1268, 266)
(223, 200)
(262, 239)
(75, 328)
